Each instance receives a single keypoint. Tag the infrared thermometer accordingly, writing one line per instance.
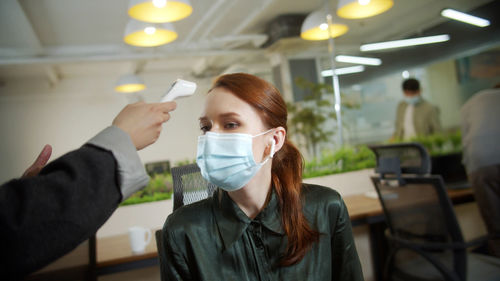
(180, 88)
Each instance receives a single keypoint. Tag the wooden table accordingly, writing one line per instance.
(115, 255)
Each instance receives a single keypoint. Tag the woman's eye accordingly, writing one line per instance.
(231, 125)
(205, 128)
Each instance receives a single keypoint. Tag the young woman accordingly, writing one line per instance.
(262, 223)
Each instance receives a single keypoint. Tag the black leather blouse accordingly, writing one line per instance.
(214, 240)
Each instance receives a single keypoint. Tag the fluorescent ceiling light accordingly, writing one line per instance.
(358, 60)
(405, 43)
(345, 70)
(463, 17)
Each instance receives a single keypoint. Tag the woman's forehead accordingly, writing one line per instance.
(221, 101)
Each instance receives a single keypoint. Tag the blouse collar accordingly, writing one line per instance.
(232, 221)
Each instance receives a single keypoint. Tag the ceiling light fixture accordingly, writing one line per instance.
(357, 9)
(358, 60)
(405, 74)
(142, 34)
(129, 84)
(463, 17)
(159, 10)
(404, 43)
(315, 27)
(344, 70)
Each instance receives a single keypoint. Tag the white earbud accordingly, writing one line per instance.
(273, 144)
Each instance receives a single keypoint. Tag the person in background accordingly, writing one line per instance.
(480, 117)
(262, 223)
(415, 116)
(53, 208)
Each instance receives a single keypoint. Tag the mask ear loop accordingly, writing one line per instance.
(271, 154)
(273, 144)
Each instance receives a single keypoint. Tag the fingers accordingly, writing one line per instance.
(44, 156)
(40, 162)
(167, 106)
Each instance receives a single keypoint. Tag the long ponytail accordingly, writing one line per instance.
(287, 181)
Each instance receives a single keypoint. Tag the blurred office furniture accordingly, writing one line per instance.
(424, 237)
(413, 158)
(189, 187)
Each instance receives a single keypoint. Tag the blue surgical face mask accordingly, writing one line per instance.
(413, 100)
(226, 160)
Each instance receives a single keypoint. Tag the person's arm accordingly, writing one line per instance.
(345, 260)
(44, 216)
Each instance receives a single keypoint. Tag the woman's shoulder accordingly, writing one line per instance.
(318, 196)
(322, 206)
(197, 213)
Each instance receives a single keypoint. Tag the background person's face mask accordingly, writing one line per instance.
(412, 100)
(226, 160)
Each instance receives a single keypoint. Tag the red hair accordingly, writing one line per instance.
(287, 162)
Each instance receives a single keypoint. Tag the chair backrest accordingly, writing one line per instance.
(189, 185)
(419, 211)
(413, 158)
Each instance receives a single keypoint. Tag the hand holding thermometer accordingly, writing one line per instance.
(180, 88)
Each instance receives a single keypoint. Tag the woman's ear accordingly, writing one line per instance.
(279, 137)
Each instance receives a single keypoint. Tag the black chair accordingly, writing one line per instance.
(411, 158)
(424, 237)
(189, 187)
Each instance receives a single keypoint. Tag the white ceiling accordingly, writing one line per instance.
(73, 37)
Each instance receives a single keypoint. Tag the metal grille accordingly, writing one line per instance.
(189, 185)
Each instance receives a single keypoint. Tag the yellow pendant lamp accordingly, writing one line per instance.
(143, 34)
(130, 84)
(357, 9)
(315, 27)
(159, 10)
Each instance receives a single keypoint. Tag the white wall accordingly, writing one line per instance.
(33, 114)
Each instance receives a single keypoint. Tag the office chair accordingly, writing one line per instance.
(189, 187)
(424, 237)
(413, 158)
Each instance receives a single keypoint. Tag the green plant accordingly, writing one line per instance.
(342, 160)
(184, 162)
(159, 188)
(308, 118)
(439, 144)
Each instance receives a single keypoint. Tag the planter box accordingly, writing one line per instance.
(349, 183)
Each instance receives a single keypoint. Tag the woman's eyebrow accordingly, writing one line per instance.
(222, 115)
(228, 114)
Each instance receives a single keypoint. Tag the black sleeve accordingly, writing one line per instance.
(44, 217)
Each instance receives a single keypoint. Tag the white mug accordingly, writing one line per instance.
(139, 238)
